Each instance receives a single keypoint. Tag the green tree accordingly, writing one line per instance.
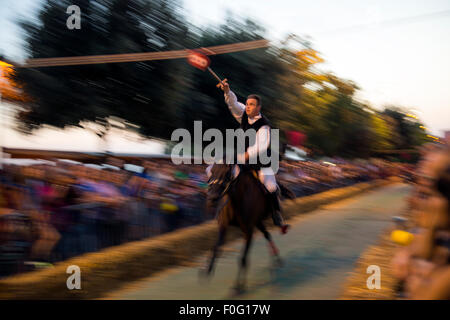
(381, 133)
(407, 132)
(146, 93)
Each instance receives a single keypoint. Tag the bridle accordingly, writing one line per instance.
(224, 179)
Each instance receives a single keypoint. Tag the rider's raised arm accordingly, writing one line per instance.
(236, 108)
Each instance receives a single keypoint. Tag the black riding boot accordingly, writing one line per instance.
(276, 213)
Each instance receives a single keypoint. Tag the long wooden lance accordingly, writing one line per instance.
(145, 56)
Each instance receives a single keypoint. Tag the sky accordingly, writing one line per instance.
(396, 51)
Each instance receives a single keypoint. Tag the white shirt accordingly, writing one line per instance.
(237, 109)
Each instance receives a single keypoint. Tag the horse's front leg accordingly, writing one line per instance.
(243, 266)
(220, 241)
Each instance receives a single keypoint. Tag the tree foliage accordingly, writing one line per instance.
(160, 96)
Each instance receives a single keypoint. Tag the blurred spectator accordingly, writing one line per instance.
(53, 211)
(423, 266)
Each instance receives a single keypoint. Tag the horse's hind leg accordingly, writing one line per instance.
(242, 273)
(275, 253)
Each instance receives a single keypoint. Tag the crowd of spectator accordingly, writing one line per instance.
(308, 177)
(52, 211)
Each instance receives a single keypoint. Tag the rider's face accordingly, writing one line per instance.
(252, 108)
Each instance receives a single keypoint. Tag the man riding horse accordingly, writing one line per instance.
(249, 116)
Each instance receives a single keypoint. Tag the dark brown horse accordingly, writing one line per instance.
(242, 204)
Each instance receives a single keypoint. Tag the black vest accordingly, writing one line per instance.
(256, 126)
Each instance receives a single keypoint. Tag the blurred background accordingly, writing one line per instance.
(356, 90)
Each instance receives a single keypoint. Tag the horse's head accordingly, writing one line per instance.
(220, 176)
